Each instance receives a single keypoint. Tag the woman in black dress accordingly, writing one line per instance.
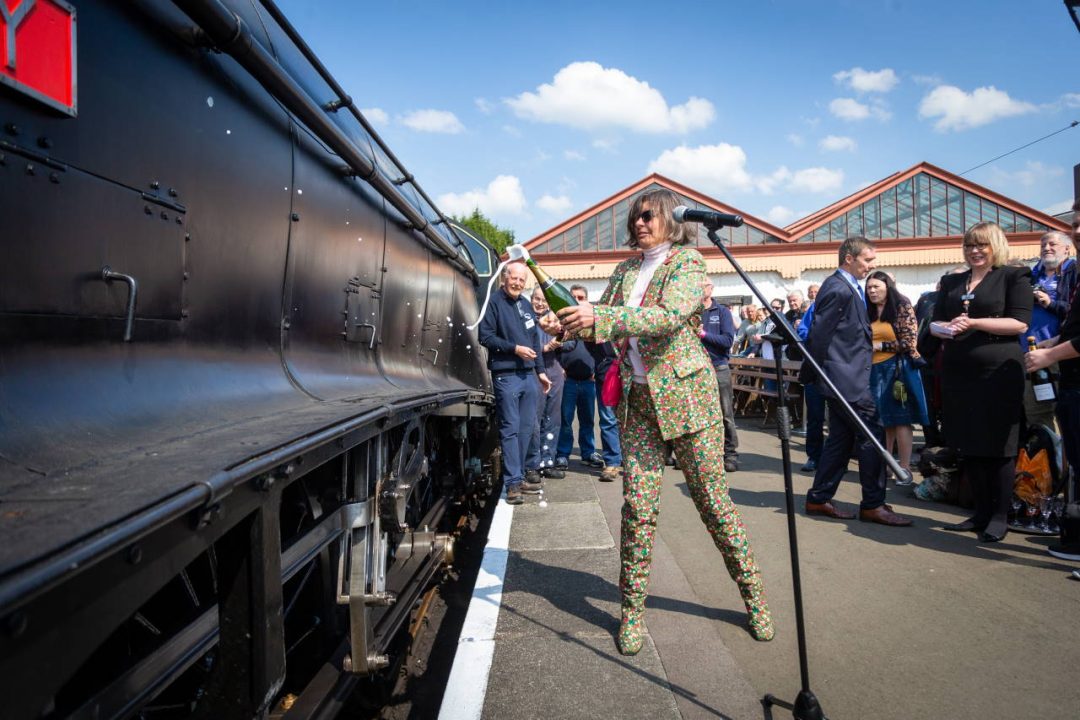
(985, 309)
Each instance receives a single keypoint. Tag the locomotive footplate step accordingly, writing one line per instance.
(539, 639)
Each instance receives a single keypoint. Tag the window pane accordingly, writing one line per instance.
(1007, 220)
(738, 235)
(605, 240)
(703, 236)
(905, 210)
(888, 214)
(922, 205)
(871, 219)
(756, 236)
(855, 222)
(989, 212)
(956, 211)
(1023, 223)
(573, 239)
(807, 238)
(939, 224)
(972, 210)
(1039, 227)
(588, 235)
(621, 211)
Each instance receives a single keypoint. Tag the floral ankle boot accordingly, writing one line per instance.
(631, 631)
(760, 619)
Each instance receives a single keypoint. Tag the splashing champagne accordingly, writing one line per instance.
(556, 294)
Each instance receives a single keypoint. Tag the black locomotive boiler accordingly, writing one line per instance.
(239, 403)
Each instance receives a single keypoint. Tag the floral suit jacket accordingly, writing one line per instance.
(680, 377)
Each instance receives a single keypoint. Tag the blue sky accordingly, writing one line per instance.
(536, 111)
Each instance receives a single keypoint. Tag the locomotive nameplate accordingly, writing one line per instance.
(37, 51)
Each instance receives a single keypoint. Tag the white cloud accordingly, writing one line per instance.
(1060, 207)
(554, 204)
(958, 110)
(433, 121)
(610, 145)
(484, 105)
(1032, 173)
(851, 109)
(715, 169)
(1071, 100)
(376, 116)
(589, 96)
(816, 180)
(859, 80)
(719, 169)
(767, 184)
(573, 155)
(795, 139)
(927, 79)
(836, 143)
(780, 215)
(502, 196)
(511, 130)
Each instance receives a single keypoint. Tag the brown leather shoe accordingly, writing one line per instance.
(884, 516)
(828, 510)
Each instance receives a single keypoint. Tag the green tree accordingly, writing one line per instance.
(499, 238)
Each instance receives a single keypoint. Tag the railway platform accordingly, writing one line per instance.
(538, 640)
(901, 622)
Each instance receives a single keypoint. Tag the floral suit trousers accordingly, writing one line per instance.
(701, 458)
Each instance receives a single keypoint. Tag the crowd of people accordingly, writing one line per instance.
(954, 363)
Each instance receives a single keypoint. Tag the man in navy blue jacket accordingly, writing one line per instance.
(508, 331)
(717, 333)
(840, 343)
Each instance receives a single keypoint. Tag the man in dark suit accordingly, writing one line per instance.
(840, 342)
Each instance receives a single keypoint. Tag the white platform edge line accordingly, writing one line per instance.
(466, 687)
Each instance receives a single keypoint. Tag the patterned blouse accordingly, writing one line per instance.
(907, 332)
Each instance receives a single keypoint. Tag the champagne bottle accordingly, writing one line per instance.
(1040, 379)
(556, 294)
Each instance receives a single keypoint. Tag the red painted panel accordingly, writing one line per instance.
(43, 55)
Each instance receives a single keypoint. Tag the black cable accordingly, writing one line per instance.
(1073, 124)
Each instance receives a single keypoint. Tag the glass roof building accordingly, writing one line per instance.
(915, 217)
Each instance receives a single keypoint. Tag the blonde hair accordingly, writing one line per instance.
(990, 234)
(662, 203)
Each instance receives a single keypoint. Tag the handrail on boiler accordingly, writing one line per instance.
(229, 34)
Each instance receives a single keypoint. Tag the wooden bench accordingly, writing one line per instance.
(748, 376)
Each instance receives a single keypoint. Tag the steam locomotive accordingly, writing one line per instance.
(240, 407)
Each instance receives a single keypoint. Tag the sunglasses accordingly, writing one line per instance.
(647, 216)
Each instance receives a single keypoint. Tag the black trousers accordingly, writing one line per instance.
(843, 435)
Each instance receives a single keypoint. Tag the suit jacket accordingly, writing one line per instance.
(840, 340)
(679, 374)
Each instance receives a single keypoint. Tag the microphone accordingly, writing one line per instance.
(709, 218)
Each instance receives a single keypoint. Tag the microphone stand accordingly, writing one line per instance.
(806, 705)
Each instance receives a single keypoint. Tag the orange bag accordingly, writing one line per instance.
(1033, 477)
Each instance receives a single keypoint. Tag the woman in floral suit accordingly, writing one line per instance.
(653, 304)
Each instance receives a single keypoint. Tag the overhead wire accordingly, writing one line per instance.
(1071, 125)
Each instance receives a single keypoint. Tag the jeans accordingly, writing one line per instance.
(515, 403)
(609, 430)
(727, 408)
(579, 395)
(548, 419)
(815, 421)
